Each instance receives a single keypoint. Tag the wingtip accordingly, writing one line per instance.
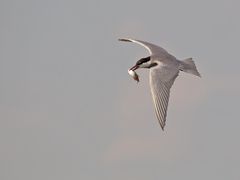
(124, 39)
(162, 126)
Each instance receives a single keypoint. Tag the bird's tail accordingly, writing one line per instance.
(188, 66)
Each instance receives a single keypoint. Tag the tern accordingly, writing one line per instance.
(164, 68)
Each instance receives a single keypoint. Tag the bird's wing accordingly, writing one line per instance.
(161, 80)
(153, 49)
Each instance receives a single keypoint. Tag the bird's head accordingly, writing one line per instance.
(143, 63)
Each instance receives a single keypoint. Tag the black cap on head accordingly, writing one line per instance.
(143, 60)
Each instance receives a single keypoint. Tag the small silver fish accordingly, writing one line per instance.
(134, 75)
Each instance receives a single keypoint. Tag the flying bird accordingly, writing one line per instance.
(164, 68)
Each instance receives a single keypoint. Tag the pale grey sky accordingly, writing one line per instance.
(69, 110)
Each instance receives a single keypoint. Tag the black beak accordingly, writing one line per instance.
(134, 67)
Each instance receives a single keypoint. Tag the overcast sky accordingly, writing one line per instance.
(69, 110)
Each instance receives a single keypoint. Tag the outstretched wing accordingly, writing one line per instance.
(161, 80)
(153, 49)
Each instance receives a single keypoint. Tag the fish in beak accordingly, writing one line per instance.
(132, 73)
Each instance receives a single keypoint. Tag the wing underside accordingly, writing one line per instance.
(160, 90)
(160, 95)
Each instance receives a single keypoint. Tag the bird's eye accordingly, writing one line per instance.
(139, 62)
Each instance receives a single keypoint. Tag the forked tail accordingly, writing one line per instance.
(188, 66)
